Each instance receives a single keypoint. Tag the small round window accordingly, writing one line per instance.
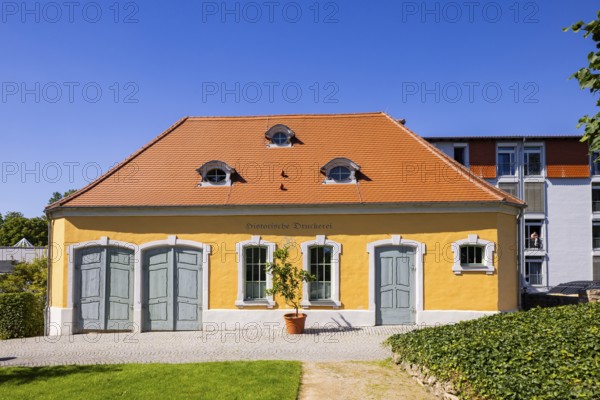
(216, 175)
(279, 139)
(339, 174)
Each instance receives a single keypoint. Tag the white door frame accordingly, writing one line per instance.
(171, 241)
(396, 240)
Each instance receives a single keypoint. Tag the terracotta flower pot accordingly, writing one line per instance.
(294, 324)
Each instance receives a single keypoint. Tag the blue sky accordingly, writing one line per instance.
(85, 84)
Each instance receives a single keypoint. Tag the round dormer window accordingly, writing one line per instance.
(340, 174)
(216, 175)
(280, 139)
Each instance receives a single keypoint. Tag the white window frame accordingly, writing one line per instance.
(240, 247)
(464, 146)
(539, 149)
(215, 164)
(513, 182)
(543, 271)
(321, 240)
(340, 162)
(280, 128)
(488, 255)
(593, 172)
(514, 151)
(595, 186)
(542, 223)
(596, 250)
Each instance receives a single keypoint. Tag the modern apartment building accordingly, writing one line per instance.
(559, 231)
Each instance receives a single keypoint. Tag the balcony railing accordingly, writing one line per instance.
(535, 279)
(506, 169)
(596, 206)
(596, 243)
(534, 243)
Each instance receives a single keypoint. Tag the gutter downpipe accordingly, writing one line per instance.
(521, 224)
(49, 278)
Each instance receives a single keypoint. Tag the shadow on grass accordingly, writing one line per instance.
(24, 375)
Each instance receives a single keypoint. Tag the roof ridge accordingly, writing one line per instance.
(472, 177)
(266, 116)
(117, 167)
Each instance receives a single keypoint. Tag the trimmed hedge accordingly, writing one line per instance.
(545, 353)
(21, 315)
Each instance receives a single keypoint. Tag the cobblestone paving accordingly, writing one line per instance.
(262, 343)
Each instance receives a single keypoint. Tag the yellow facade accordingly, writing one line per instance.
(442, 289)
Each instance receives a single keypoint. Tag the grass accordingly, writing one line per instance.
(223, 380)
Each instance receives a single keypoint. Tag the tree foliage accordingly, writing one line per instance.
(589, 78)
(56, 196)
(287, 279)
(27, 277)
(16, 226)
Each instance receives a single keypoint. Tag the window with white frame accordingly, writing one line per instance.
(340, 170)
(280, 136)
(321, 258)
(596, 197)
(509, 187)
(533, 234)
(596, 235)
(534, 272)
(595, 163)
(506, 161)
(253, 278)
(473, 255)
(535, 197)
(532, 161)
(255, 263)
(215, 173)
(320, 268)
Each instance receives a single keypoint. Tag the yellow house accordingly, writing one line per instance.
(178, 234)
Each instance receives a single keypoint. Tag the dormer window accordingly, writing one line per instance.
(340, 170)
(215, 173)
(280, 136)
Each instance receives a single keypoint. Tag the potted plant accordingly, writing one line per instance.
(287, 282)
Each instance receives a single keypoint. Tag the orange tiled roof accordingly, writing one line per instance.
(397, 166)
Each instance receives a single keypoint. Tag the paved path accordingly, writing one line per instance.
(267, 343)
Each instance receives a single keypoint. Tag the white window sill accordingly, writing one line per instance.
(320, 303)
(459, 269)
(255, 303)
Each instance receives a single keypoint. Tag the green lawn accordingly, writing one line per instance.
(224, 380)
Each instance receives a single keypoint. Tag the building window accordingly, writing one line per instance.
(509, 187)
(256, 275)
(535, 197)
(339, 174)
(533, 161)
(460, 153)
(473, 255)
(215, 173)
(506, 161)
(596, 269)
(534, 273)
(596, 197)
(595, 163)
(533, 234)
(340, 170)
(321, 258)
(280, 136)
(596, 236)
(320, 267)
(253, 278)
